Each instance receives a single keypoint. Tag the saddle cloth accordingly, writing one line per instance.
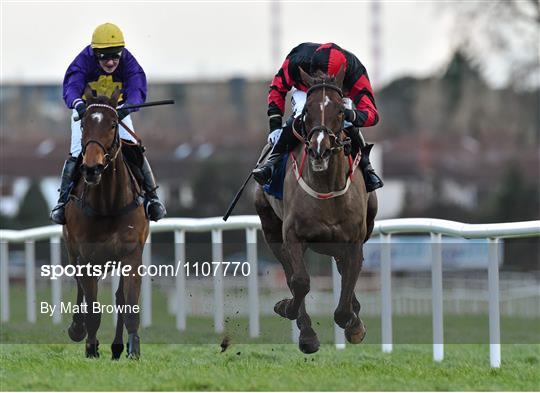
(275, 186)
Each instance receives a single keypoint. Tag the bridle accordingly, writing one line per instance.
(337, 144)
(111, 153)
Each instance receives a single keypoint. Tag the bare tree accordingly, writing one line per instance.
(503, 36)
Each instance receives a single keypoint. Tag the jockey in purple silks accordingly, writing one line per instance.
(105, 65)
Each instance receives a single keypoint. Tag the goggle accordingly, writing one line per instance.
(109, 55)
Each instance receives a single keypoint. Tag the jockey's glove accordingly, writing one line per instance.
(275, 122)
(80, 108)
(273, 137)
(122, 113)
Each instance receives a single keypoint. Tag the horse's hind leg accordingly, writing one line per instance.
(77, 329)
(345, 315)
(372, 208)
(117, 347)
(93, 319)
(272, 230)
(299, 278)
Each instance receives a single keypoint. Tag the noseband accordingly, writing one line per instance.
(338, 144)
(111, 153)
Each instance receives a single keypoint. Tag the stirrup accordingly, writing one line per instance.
(58, 214)
(263, 174)
(154, 209)
(373, 181)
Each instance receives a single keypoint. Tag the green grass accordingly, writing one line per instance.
(192, 360)
(268, 367)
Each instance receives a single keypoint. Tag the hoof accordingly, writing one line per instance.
(282, 308)
(117, 350)
(92, 350)
(308, 341)
(77, 331)
(134, 356)
(134, 347)
(355, 334)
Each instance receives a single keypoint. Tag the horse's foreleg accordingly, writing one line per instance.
(117, 347)
(77, 329)
(355, 303)
(272, 230)
(345, 315)
(132, 290)
(93, 319)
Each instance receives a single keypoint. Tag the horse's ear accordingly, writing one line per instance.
(340, 76)
(306, 79)
(88, 93)
(115, 96)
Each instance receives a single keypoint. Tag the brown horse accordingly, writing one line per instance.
(105, 221)
(325, 207)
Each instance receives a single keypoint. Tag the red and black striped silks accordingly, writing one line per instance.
(328, 58)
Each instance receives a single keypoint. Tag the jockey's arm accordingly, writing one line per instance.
(135, 85)
(75, 80)
(280, 86)
(365, 113)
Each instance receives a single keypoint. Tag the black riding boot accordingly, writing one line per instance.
(372, 180)
(57, 214)
(286, 142)
(155, 210)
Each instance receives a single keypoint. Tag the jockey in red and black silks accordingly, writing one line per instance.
(105, 65)
(359, 102)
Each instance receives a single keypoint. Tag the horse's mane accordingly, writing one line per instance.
(101, 100)
(320, 77)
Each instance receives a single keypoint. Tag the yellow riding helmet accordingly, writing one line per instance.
(107, 35)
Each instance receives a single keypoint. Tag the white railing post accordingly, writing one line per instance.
(4, 280)
(180, 257)
(217, 256)
(253, 285)
(30, 257)
(146, 285)
(386, 293)
(56, 285)
(494, 316)
(339, 334)
(295, 333)
(437, 296)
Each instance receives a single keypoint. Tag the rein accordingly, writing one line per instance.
(337, 146)
(110, 157)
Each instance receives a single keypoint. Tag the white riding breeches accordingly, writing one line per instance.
(76, 134)
(298, 101)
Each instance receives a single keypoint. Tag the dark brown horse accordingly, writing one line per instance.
(325, 207)
(105, 221)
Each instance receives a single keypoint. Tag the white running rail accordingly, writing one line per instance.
(385, 228)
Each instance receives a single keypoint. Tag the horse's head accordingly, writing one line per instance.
(323, 117)
(100, 138)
